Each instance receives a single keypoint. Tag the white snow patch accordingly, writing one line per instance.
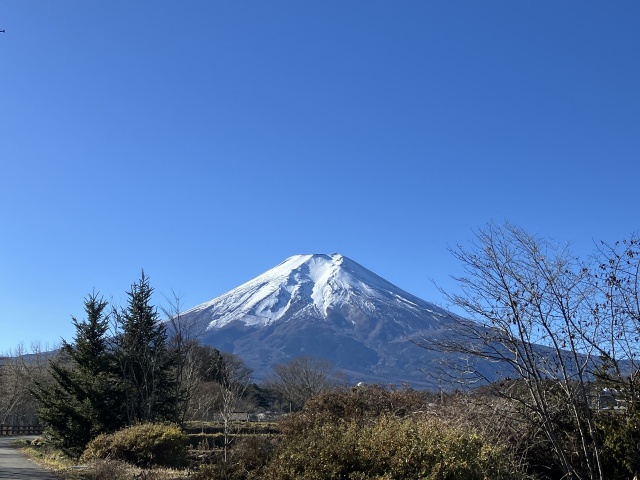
(318, 282)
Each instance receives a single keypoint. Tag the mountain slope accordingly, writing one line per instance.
(313, 286)
(327, 306)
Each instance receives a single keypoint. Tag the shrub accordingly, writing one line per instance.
(390, 448)
(620, 432)
(246, 460)
(142, 445)
(360, 404)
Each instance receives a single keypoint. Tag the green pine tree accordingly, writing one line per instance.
(145, 363)
(83, 398)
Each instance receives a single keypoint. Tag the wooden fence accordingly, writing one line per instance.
(20, 430)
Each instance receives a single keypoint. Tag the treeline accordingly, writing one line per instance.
(18, 370)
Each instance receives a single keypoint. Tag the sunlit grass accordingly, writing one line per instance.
(67, 468)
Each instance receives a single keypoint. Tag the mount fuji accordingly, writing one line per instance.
(330, 307)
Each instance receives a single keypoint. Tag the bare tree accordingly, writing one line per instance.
(207, 363)
(529, 304)
(234, 378)
(189, 362)
(617, 313)
(20, 368)
(302, 378)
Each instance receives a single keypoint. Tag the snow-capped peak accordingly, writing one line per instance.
(311, 286)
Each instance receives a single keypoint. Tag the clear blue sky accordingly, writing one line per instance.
(207, 141)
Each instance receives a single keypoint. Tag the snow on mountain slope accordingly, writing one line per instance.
(314, 286)
(328, 306)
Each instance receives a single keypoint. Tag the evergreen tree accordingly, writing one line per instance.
(145, 363)
(83, 398)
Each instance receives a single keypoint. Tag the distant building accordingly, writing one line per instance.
(233, 416)
(608, 399)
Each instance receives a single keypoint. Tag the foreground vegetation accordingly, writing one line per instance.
(368, 432)
(67, 468)
(122, 395)
(364, 432)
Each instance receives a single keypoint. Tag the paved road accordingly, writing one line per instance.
(14, 464)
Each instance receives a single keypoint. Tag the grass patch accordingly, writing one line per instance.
(67, 468)
(45, 455)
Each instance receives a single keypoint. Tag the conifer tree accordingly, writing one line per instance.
(144, 361)
(83, 398)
